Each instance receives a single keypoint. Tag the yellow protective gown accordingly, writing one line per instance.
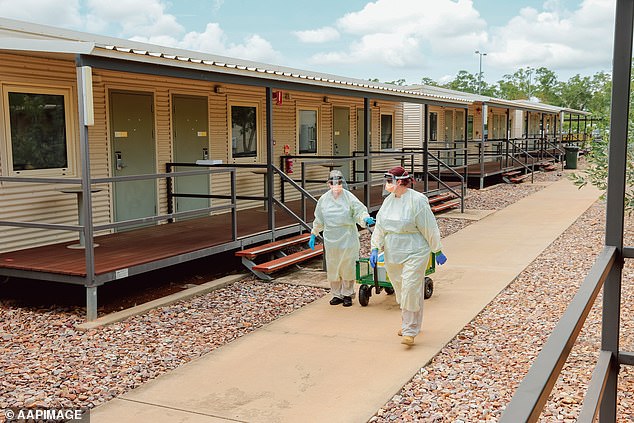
(407, 231)
(338, 219)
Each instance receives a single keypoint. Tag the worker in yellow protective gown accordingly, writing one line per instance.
(337, 214)
(407, 232)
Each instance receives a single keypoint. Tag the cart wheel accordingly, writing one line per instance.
(429, 287)
(389, 290)
(365, 292)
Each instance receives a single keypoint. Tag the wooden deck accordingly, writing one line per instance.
(490, 168)
(161, 245)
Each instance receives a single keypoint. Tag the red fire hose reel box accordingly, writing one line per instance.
(288, 162)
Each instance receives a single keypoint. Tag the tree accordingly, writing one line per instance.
(576, 94)
(601, 88)
(596, 172)
(464, 81)
(428, 81)
(399, 82)
(516, 86)
(546, 86)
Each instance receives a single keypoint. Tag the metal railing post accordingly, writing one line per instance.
(622, 62)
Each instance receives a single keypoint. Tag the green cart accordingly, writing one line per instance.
(376, 278)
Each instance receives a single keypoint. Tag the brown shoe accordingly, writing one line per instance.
(408, 340)
(400, 332)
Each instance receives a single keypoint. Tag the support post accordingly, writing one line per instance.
(86, 118)
(91, 303)
(621, 74)
(366, 151)
(269, 161)
(426, 149)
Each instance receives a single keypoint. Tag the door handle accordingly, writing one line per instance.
(205, 153)
(118, 160)
(336, 149)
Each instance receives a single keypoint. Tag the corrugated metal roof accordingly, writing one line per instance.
(545, 106)
(132, 50)
(518, 104)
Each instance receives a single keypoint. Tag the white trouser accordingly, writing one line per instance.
(342, 289)
(408, 280)
(412, 321)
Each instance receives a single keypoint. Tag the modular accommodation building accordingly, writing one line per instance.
(489, 136)
(103, 138)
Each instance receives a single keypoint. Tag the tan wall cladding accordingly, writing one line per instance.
(43, 202)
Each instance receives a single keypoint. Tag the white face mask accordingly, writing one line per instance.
(390, 187)
(336, 188)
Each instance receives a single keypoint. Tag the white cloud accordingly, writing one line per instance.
(320, 35)
(397, 32)
(148, 21)
(48, 12)
(214, 41)
(556, 38)
(146, 18)
(378, 48)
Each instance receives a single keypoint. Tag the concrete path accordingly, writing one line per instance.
(334, 364)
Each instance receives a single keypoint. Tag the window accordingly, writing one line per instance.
(38, 130)
(459, 126)
(470, 127)
(307, 131)
(433, 126)
(244, 131)
(386, 132)
(499, 127)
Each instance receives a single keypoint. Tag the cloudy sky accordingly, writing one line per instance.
(385, 39)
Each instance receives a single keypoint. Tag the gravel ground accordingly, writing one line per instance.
(476, 374)
(46, 362)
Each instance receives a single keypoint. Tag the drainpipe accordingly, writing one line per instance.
(269, 160)
(86, 118)
(425, 148)
(508, 136)
(463, 188)
(485, 116)
(366, 151)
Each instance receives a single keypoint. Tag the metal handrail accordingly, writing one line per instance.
(531, 395)
(94, 181)
(522, 151)
(556, 148)
(440, 182)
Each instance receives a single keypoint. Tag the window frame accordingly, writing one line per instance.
(258, 130)
(433, 126)
(391, 116)
(70, 127)
(470, 126)
(298, 112)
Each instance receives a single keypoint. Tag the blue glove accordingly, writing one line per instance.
(374, 257)
(440, 258)
(311, 241)
(369, 221)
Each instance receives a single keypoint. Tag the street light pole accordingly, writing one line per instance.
(529, 71)
(478, 52)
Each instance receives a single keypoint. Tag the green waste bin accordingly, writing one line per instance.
(572, 153)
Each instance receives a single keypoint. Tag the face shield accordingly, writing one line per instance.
(336, 182)
(390, 182)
